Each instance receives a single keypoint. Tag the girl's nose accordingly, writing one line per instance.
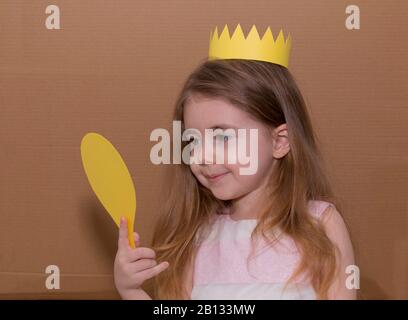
(208, 154)
(204, 154)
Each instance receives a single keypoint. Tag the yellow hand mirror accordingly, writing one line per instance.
(110, 179)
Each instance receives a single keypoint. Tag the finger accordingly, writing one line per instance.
(137, 238)
(123, 241)
(142, 264)
(150, 273)
(141, 253)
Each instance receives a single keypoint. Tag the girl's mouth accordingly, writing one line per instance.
(215, 177)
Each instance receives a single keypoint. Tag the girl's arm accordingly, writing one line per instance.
(337, 232)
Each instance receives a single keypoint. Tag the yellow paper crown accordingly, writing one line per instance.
(252, 47)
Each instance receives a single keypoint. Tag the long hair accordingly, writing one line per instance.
(268, 92)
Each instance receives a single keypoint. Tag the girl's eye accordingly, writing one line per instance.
(193, 141)
(222, 137)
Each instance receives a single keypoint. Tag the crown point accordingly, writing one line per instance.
(225, 33)
(289, 38)
(253, 33)
(268, 36)
(253, 29)
(215, 34)
(238, 33)
(280, 39)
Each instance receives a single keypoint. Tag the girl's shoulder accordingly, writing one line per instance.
(315, 207)
(221, 221)
(318, 207)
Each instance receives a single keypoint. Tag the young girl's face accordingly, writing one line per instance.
(225, 180)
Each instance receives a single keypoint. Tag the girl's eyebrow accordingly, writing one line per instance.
(223, 126)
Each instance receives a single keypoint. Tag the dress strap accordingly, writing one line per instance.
(317, 207)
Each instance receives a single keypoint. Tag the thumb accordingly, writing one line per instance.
(136, 237)
(123, 234)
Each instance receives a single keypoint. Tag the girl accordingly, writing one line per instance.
(275, 234)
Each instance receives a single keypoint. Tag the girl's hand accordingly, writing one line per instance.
(133, 266)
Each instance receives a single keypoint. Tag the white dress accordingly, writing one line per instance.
(221, 270)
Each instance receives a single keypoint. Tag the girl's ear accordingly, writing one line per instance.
(281, 144)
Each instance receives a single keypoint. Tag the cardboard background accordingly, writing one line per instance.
(116, 68)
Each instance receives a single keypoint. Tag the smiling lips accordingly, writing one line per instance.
(215, 177)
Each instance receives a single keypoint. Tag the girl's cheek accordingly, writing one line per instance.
(194, 169)
(196, 172)
(232, 168)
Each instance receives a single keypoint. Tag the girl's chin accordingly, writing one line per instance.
(222, 194)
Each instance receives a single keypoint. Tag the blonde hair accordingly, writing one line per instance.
(268, 92)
